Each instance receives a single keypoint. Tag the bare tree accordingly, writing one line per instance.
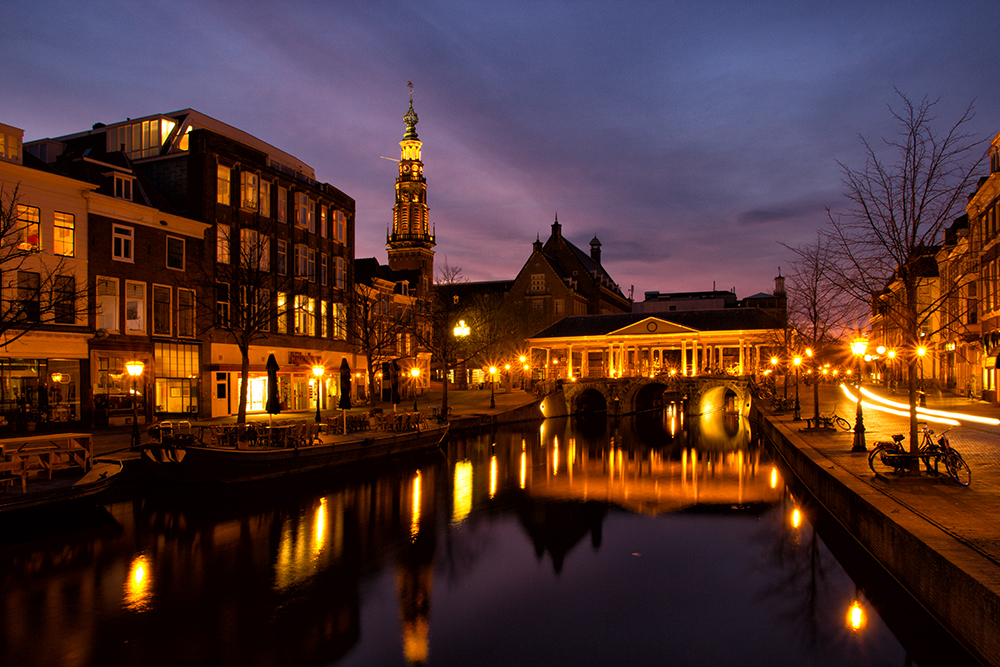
(820, 311)
(39, 288)
(900, 205)
(374, 325)
(240, 292)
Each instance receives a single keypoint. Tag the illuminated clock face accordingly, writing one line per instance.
(406, 168)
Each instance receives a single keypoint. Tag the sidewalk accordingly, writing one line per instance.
(115, 442)
(971, 514)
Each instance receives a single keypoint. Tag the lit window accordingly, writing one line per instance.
(222, 244)
(28, 219)
(175, 253)
(135, 307)
(123, 187)
(323, 327)
(322, 221)
(301, 314)
(223, 185)
(64, 235)
(265, 198)
(282, 204)
(121, 243)
(311, 264)
(249, 190)
(323, 260)
(107, 303)
(282, 312)
(161, 310)
(340, 223)
(340, 273)
(305, 215)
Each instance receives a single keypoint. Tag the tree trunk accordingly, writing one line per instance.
(241, 417)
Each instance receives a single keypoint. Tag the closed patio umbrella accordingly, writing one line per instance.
(345, 385)
(273, 406)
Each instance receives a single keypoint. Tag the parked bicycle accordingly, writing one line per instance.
(832, 420)
(891, 455)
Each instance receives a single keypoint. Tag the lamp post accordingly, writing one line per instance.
(892, 368)
(135, 369)
(858, 347)
(415, 374)
(797, 415)
(318, 372)
(493, 381)
(921, 353)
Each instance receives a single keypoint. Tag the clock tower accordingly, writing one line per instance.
(410, 245)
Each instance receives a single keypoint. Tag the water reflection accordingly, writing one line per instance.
(516, 524)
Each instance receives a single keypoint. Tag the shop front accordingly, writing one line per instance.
(38, 393)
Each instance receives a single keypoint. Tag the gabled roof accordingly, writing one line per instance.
(728, 319)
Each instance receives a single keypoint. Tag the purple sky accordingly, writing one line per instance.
(690, 137)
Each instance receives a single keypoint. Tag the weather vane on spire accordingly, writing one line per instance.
(409, 84)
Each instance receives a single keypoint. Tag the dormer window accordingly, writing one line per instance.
(123, 187)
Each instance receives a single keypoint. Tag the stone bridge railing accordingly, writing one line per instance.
(622, 396)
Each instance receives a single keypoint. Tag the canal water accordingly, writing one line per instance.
(646, 541)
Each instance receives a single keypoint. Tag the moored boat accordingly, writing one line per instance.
(192, 460)
(63, 489)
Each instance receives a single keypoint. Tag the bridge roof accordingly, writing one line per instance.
(727, 319)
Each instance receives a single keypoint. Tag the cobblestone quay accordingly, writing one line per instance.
(941, 541)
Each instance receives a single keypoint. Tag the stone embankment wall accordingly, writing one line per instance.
(958, 585)
(525, 413)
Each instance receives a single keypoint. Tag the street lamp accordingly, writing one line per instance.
(797, 415)
(415, 373)
(892, 368)
(493, 380)
(134, 369)
(921, 352)
(858, 347)
(318, 372)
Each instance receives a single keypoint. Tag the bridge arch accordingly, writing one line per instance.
(702, 395)
(590, 400)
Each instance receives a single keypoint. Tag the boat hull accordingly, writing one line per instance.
(204, 464)
(59, 492)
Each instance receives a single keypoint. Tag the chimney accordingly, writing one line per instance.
(556, 228)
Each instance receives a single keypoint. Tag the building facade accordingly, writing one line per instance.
(276, 264)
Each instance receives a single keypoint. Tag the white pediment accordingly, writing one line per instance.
(653, 326)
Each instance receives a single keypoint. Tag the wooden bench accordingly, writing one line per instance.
(48, 453)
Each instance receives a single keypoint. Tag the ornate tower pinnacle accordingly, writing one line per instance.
(411, 241)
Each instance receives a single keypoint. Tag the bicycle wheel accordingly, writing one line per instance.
(876, 461)
(957, 468)
(842, 423)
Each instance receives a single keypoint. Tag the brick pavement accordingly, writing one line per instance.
(969, 514)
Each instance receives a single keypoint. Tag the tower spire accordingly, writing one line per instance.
(411, 241)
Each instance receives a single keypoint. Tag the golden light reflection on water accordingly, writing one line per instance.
(555, 456)
(462, 492)
(796, 518)
(302, 544)
(493, 476)
(415, 517)
(774, 477)
(524, 465)
(138, 587)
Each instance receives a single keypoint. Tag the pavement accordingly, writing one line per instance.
(970, 514)
(115, 442)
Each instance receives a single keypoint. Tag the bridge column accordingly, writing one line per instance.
(684, 358)
(742, 361)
